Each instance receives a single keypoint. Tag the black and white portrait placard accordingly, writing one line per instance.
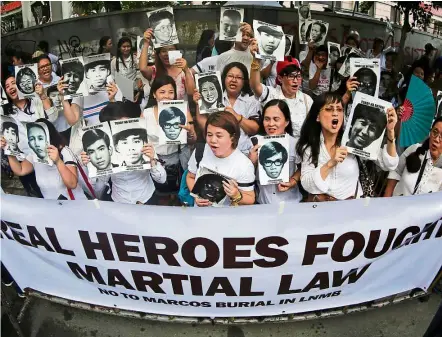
(303, 26)
(130, 135)
(210, 89)
(97, 70)
(162, 21)
(11, 132)
(209, 186)
(4, 98)
(26, 76)
(53, 94)
(229, 23)
(439, 104)
(172, 114)
(366, 125)
(368, 74)
(304, 12)
(38, 141)
(345, 68)
(334, 52)
(72, 71)
(271, 41)
(317, 32)
(150, 50)
(273, 159)
(99, 146)
(288, 44)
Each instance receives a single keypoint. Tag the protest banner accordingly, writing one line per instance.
(246, 261)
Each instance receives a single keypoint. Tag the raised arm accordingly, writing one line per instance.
(68, 173)
(145, 69)
(313, 81)
(189, 80)
(255, 75)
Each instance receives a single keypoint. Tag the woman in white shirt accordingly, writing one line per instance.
(276, 121)
(132, 187)
(174, 157)
(222, 156)
(328, 172)
(420, 167)
(239, 101)
(126, 62)
(59, 181)
(179, 71)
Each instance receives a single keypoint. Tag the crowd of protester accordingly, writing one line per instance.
(300, 96)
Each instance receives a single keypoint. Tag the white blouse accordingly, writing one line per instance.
(269, 194)
(342, 179)
(431, 180)
(248, 107)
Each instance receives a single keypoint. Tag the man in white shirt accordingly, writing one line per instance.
(240, 52)
(288, 83)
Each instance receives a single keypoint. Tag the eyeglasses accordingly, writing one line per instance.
(237, 78)
(277, 162)
(46, 66)
(435, 134)
(293, 76)
(164, 29)
(175, 126)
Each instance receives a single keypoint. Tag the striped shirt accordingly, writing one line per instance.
(91, 106)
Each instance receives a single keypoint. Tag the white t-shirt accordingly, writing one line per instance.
(234, 55)
(299, 106)
(54, 81)
(236, 166)
(269, 194)
(92, 105)
(128, 69)
(324, 79)
(431, 180)
(271, 79)
(131, 187)
(206, 65)
(49, 179)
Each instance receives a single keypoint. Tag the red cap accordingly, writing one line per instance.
(288, 61)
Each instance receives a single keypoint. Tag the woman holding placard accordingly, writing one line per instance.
(420, 167)
(222, 156)
(175, 157)
(328, 171)
(179, 71)
(239, 101)
(58, 181)
(276, 121)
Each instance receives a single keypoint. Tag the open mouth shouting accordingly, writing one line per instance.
(335, 123)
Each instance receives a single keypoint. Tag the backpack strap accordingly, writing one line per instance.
(199, 153)
(421, 173)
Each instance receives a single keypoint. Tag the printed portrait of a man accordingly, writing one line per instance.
(272, 157)
(163, 24)
(230, 22)
(97, 73)
(38, 141)
(26, 80)
(129, 144)
(269, 40)
(97, 145)
(170, 120)
(73, 75)
(11, 134)
(367, 125)
(367, 81)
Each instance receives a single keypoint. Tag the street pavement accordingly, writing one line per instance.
(407, 319)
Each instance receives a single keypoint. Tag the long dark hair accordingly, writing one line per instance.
(103, 42)
(54, 137)
(246, 83)
(282, 105)
(206, 35)
(124, 39)
(159, 82)
(160, 69)
(311, 129)
(413, 162)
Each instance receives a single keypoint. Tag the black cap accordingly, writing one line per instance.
(429, 47)
(271, 31)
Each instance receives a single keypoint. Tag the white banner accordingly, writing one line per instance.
(239, 261)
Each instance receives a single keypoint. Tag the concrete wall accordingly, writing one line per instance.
(80, 36)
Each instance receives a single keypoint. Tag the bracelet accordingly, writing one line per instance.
(296, 181)
(237, 199)
(255, 66)
(240, 120)
(391, 140)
